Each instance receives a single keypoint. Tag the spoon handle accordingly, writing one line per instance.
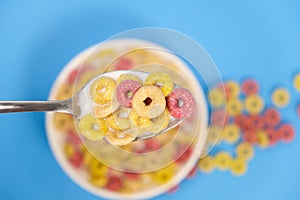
(36, 106)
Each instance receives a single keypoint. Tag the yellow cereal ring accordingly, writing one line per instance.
(99, 181)
(213, 135)
(163, 80)
(119, 138)
(97, 169)
(159, 123)
(163, 175)
(102, 111)
(223, 160)
(206, 164)
(281, 97)
(138, 121)
(69, 150)
(263, 140)
(234, 107)
(102, 90)
(245, 151)
(63, 122)
(238, 167)
(65, 91)
(149, 101)
(124, 77)
(297, 82)
(89, 128)
(231, 133)
(119, 120)
(216, 98)
(233, 89)
(254, 104)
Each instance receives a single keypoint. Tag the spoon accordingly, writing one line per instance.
(80, 104)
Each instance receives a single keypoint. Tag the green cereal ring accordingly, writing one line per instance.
(149, 102)
(124, 77)
(91, 128)
(163, 80)
(102, 90)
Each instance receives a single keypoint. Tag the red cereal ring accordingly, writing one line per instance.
(250, 86)
(77, 159)
(239, 119)
(250, 137)
(114, 183)
(181, 103)
(152, 144)
(271, 117)
(125, 91)
(184, 154)
(286, 132)
(219, 117)
(256, 121)
(247, 124)
(273, 135)
(124, 64)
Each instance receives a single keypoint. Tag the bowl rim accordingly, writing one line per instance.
(73, 175)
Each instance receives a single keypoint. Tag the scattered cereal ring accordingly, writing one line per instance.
(219, 117)
(102, 111)
(250, 137)
(114, 183)
(244, 151)
(63, 122)
(223, 160)
(297, 82)
(233, 89)
(231, 133)
(234, 107)
(181, 103)
(124, 77)
(280, 97)
(256, 121)
(262, 139)
(102, 90)
(206, 164)
(89, 128)
(271, 117)
(238, 167)
(119, 138)
(286, 132)
(125, 92)
(213, 135)
(239, 119)
(254, 104)
(274, 136)
(119, 120)
(149, 101)
(162, 80)
(250, 86)
(217, 98)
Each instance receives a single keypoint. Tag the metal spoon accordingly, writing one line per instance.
(79, 104)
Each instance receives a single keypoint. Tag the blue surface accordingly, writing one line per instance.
(258, 38)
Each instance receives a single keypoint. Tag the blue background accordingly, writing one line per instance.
(259, 39)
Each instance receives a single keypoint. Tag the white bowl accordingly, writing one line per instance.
(56, 139)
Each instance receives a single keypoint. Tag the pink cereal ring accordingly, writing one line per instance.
(181, 103)
(125, 91)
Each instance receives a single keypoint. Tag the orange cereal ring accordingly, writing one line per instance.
(119, 120)
(162, 80)
(102, 90)
(90, 128)
(119, 138)
(149, 101)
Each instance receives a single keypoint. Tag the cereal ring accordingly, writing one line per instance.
(262, 139)
(274, 136)
(254, 104)
(65, 91)
(223, 160)
(114, 183)
(234, 107)
(164, 175)
(219, 117)
(69, 150)
(123, 63)
(149, 101)
(99, 181)
(250, 137)
(233, 89)
(159, 123)
(91, 129)
(162, 80)
(206, 164)
(125, 92)
(181, 103)
(238, 167)
(271, 117)
(216, 98)
(119, 138)
(256, 121)
(63, 122)
(124, 77)
(244, 151)
(102, 90)
(250, 86)
(297, 82)
(102, 111)
(213, 135)
(119, 120)
(231, 133)
(286, 132)
(281, 97)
